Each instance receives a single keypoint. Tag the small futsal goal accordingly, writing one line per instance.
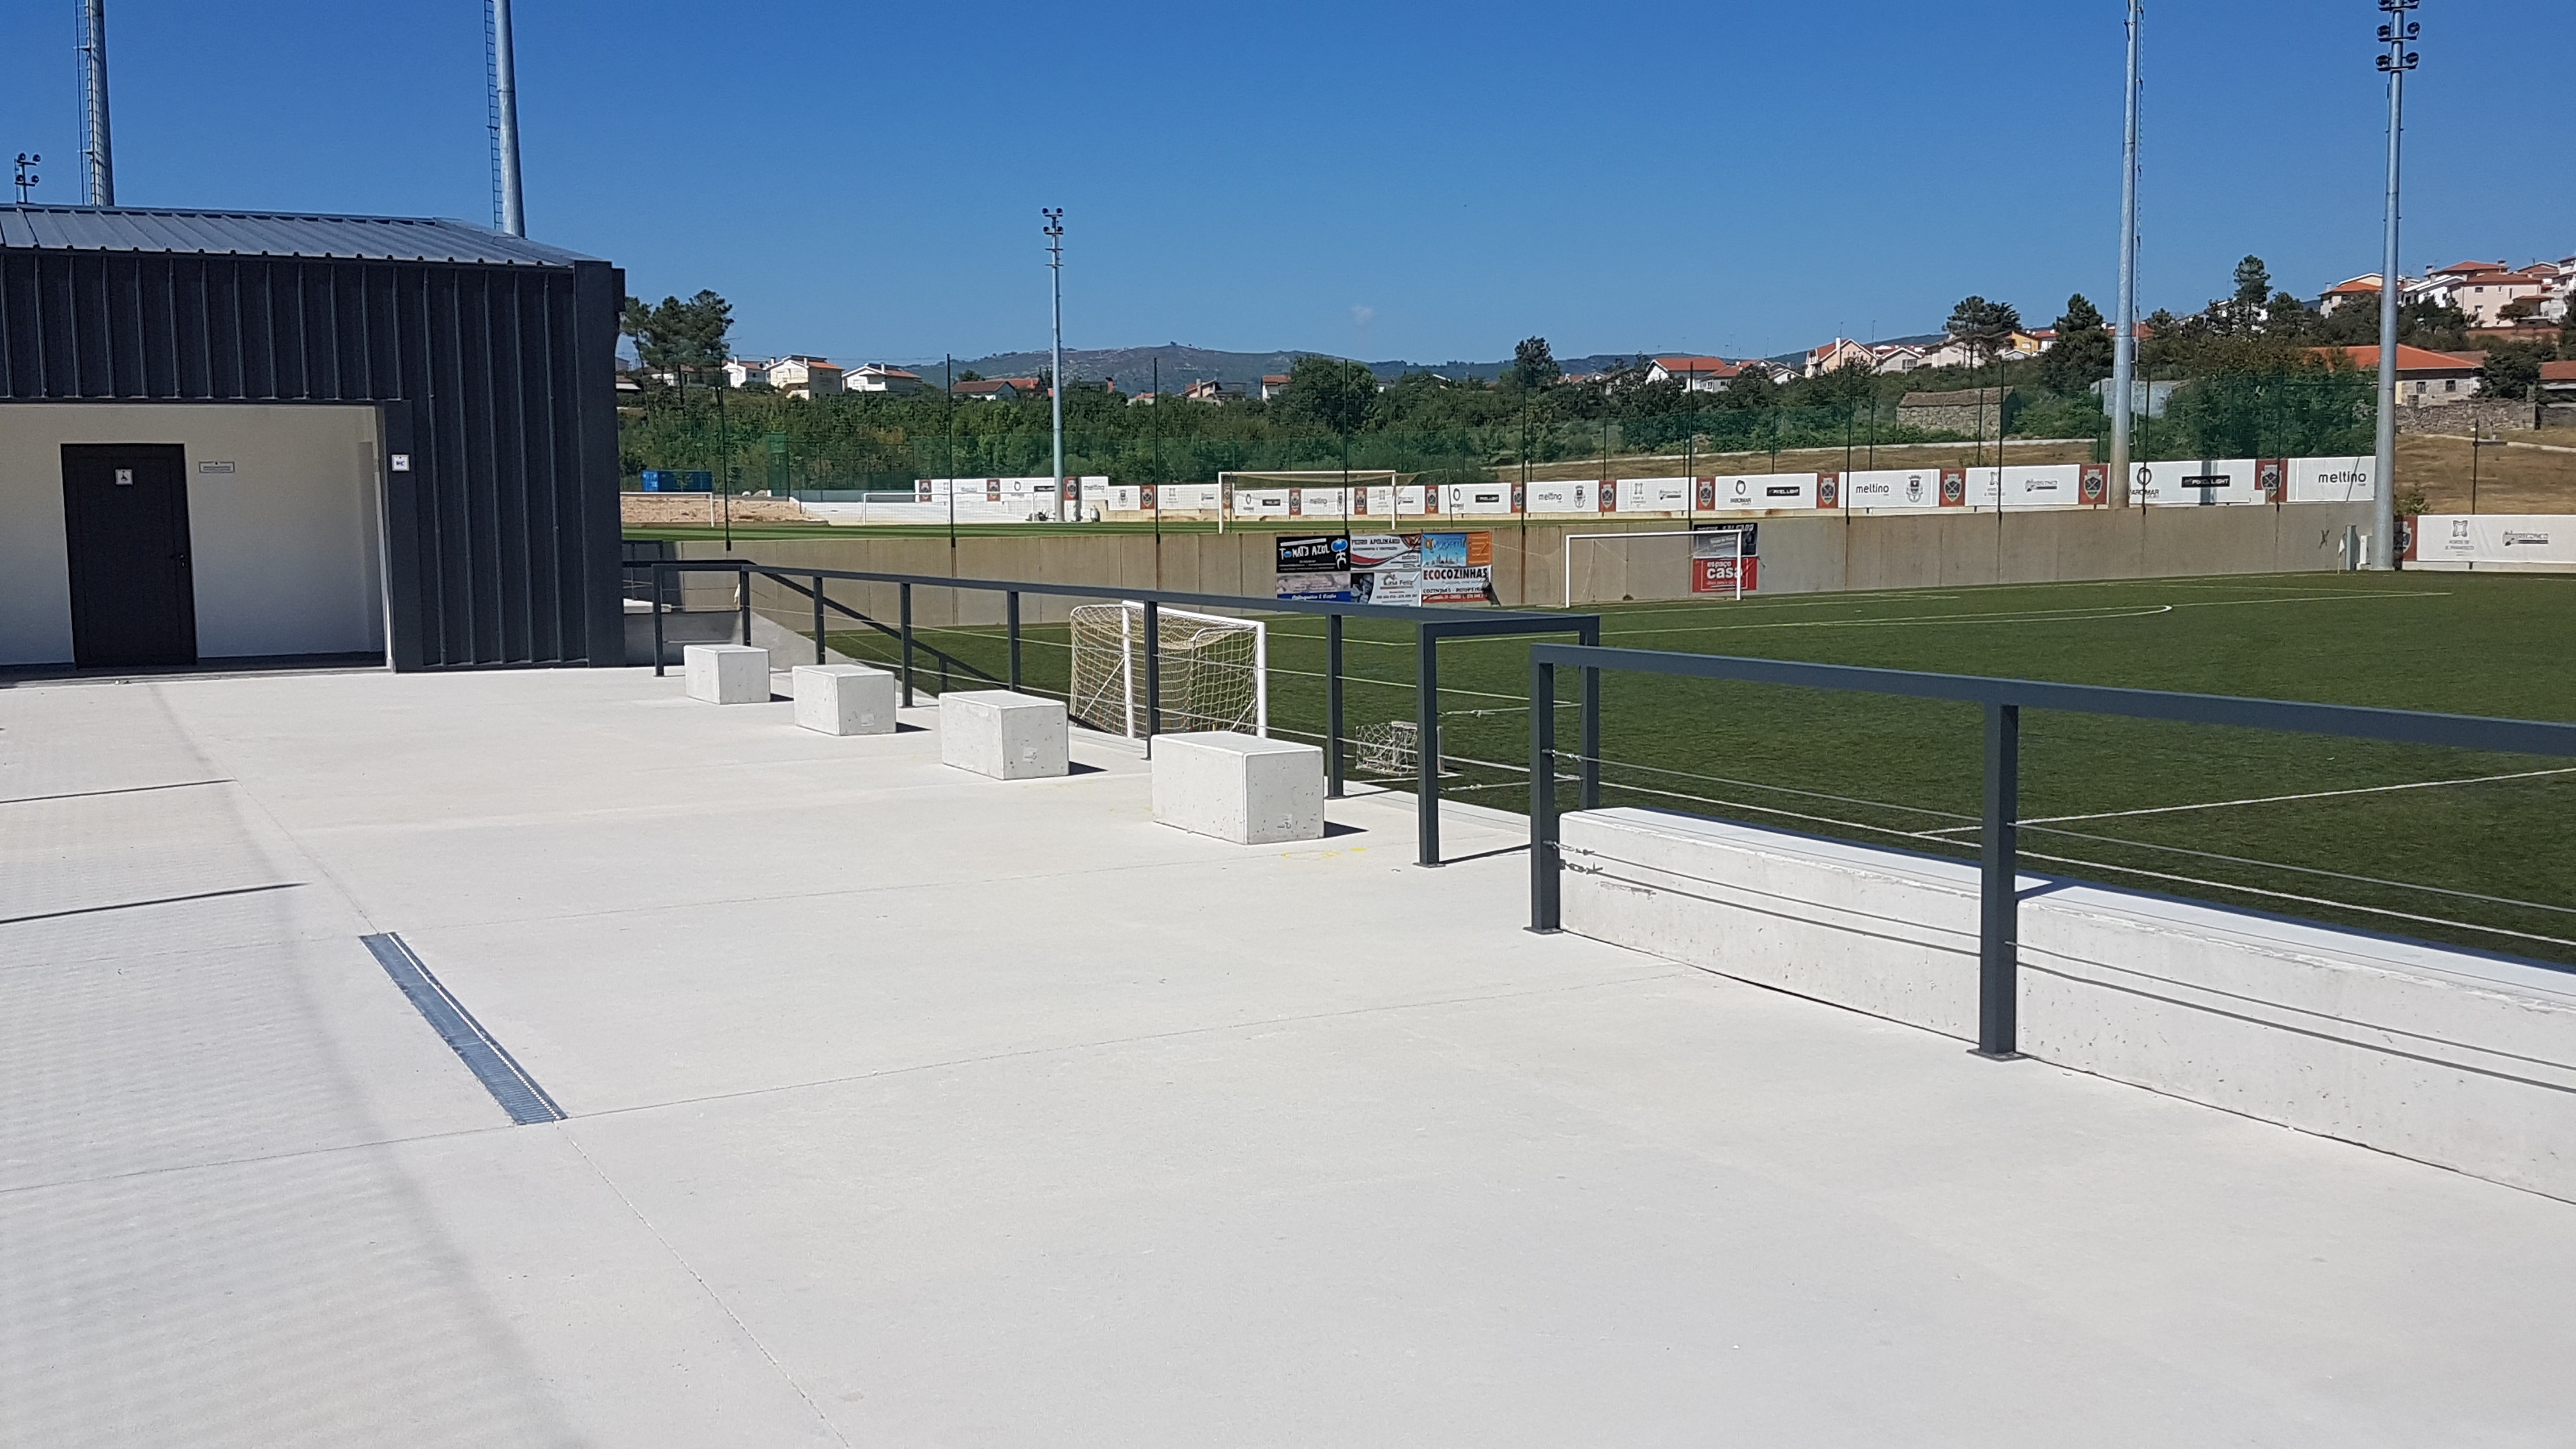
(1215, 671)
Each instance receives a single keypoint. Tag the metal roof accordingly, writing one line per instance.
(271, 234)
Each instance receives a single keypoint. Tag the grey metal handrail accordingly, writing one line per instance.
(2004, 700)
(1431, 624)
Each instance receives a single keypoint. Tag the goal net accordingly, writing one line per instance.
(1215, 671)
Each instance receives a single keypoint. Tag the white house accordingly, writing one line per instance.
(806, 377)
(1695, 374)
(1273, 384)
(1840, 353)
(877, 377)
(742, 372)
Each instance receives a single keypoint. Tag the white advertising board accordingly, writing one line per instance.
(2025, 485)
(2540, 542)
(1757, 492)
(1565, 497)
(2196, 484)
(2331, 480)
(1654, 495)
(1892, 489)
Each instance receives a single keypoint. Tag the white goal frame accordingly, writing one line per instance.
(1573, 538)
(1131, 615)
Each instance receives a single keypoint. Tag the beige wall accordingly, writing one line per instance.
(286, 549)
(1817, 554)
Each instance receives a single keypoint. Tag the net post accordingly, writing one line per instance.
(904, 595)
(1153, 674)
(818, 619)
(1997, 997)
(1011, 628)
(1333, 706)
(1426, 745)
(1261, 679)
(1544, 914)
(658, 572)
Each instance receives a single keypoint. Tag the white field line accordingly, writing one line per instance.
(2277, 799)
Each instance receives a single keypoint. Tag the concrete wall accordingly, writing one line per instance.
(1812, 553)
(2449, 1057)
(286, 548)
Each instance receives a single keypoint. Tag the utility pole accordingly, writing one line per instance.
(2394, 62)
(98, 172)
(1055, 384)
(505, 115)
(27, 178)
(2124, 346)
(948, 455)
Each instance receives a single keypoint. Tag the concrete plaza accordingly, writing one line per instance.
(909, 1107)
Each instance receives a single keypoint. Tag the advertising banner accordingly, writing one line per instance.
(1315, 567)
(1605, 494)
(1560, 498)
(1720, 552)
(2539, 542)
(1829, 490)
(2331, 480)
(2196, 484)
(2021, 485)
(1654, 495)
(1892, 488)
(2093, 484)
(1390, 568)
(1954, 487)
(1755, 492)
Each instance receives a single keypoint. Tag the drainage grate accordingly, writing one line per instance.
(500, 1074)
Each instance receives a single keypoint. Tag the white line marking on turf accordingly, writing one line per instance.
(2277, 799)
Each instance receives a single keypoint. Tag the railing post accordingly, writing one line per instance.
(818, 619)
(1153, 674)
(904, 595)
(1588, 792)
(744, 587)
(1332, 706)
(1011, 628)
(658, 571)
(1544, 916)
(1998, 997)
(1426, 744)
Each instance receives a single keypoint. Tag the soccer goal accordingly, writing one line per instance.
(1215, 670)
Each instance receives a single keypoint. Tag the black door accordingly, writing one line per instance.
(125, 527)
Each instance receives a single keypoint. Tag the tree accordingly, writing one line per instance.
(1330, 391)
(2253, 284)
(2082, 356)
(2512, 369)
(1982, 325)
(2287, 316)
(1533, 364)
(679, 337)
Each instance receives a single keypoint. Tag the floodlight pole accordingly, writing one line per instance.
(505, 119)
(2394, 62)
(2124, 346)
(1055, 381)
(98, 175)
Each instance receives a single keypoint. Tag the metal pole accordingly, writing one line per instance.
(1153, 674)
(1055, 380)
(2124, 344)
(1588, 794)
(818, 618)
(2395, 62)
(98, 176)
(1011, 629)
(948, 461)
(1544, 916)
(1426, 745)
(505, 106)
(744, 588)
(1333, 706)
(1997, 997)
(658, 571)
(905, 599)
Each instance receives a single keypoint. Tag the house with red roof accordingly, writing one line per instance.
(1695, 374)
(2424, 377)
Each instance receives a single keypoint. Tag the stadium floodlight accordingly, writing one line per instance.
(2398, 36)
(2124, 345)
(501, 69)
(1055, 378)
(98, 156)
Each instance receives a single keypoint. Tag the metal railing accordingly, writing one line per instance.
(2003, 700)
(1430, 624)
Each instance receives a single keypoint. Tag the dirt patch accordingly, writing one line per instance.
(708, 509)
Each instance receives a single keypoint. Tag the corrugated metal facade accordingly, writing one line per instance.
(495, 376)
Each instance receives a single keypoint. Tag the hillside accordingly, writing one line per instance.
(1132, 368)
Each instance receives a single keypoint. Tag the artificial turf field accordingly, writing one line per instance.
(2499, 853)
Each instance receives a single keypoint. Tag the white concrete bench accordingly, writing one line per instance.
(1239, 787)
(2445, 1056)
(727, 673)
(1002, 734)
(844, 699)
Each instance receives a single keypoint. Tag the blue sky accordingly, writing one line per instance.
(1385, 180)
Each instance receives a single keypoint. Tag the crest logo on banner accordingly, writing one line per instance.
(992, 490)
(2094, 483)
(1829, 490)
(1913, 487)
(1607, 490)
(1520, 498)
(1954, 487)
(1145, 497)
(1707, 488)
(2269, 475)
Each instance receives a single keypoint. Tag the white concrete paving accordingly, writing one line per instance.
(911, 1107)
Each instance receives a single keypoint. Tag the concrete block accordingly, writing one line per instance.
(1004, 735)
(728, 673)
(845, 699)
(1239, 787)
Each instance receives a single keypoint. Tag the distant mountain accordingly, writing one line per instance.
(1132, 368)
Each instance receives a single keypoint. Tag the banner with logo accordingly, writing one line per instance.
(1722, 551)
(1892, 488)
(2331, 480)
(1315, 567)
(2538, 541)
(1754, 492)
(1389, 568)
(2205, 483)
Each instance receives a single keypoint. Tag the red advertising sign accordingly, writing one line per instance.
(992, 490)
(2093, 484)
(1607, 491)
(1829, 490)
(1707, 490)
(2271, 479)
(1520, 498)
(1717, 575)
(1954, 487)
(1145, 498)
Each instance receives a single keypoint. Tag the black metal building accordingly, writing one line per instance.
(488, 358)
